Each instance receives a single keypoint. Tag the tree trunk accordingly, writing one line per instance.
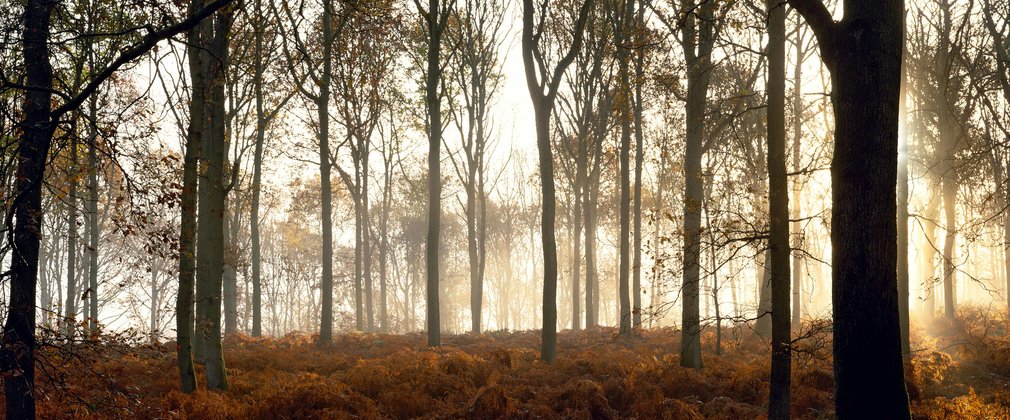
(623, 39)
(254, 217)
(210, 244)
(797, 213)
(902, 194)
(326, 190)
(778, 212)
(18, 349)
(434, 19)
(72, 292)
(366, 239)
(230, 277)
(93, 228)
(196, 54)
(949, 243)
(636, 264)
(863, 53)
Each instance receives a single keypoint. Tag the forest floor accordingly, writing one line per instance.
(959, 370)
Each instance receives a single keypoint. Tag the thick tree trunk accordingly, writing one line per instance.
(18, 349)
(210, 245)
(697, 41)
(778, 211)
(863, 53)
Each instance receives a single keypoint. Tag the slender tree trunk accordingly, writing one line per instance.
(72, 292)
(577, 220)
(366, 238)
(622, 39)
(92, 210)
(230, 277)
(187, 225)
(928, 262)
(254, 217)
(155, 302)
(435, 24)
(949, 243)
(326, 189)
(636, 265)
(797, 212)
(778, 209)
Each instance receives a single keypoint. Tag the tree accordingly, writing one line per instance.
(622, 40)
(303, 67)
(543, 87)
(39, 121)
(698, 35)
(778, 211)
(863, 53)
(211, 203)
(435, 18)
(476, 38)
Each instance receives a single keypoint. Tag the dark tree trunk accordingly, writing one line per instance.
(254, 217)
(778, 212)
(211, 210)
(93, 228)
(196, 55)
(863, 53)
(435, 19)
(326, 190)
(697, 40)
(18, 352)
(543, 92)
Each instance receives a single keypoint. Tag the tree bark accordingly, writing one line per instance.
(778, 212)
(211, 210)
(18, 351)
(187, 226)
(863, 53)
(326, 189)
(697, 40)
(254, 217)
(435, 19)
(636, 264)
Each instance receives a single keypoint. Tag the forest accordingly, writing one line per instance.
(669, 209)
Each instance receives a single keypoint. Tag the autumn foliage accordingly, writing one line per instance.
(959, 371)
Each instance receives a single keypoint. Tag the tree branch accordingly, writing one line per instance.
(128, 55)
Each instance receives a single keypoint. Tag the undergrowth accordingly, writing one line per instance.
(960, 371)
